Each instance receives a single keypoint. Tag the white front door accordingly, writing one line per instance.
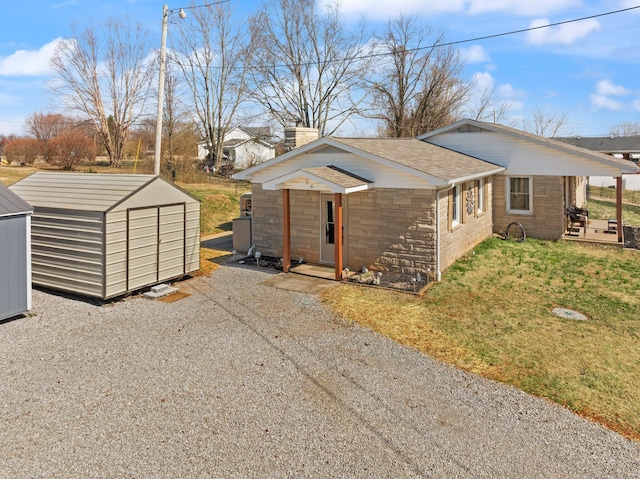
(327, 229)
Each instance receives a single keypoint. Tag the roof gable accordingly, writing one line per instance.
(437, 165)
(471, 126)
(81, 191)
(327, 179)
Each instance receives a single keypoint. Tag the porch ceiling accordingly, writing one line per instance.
(326, 179)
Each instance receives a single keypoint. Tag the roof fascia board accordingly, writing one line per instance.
(314, 145)
(276, 183)
(556, 145)
(462, 179)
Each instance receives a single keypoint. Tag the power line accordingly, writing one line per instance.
(455, 42)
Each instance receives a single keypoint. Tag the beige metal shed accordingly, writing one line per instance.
(104, 235)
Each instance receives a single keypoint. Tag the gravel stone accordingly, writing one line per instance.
(244, 380)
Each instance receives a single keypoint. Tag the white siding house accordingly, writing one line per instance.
(244, 147)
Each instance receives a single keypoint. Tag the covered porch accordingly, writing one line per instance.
(331, 181)
(595, 231)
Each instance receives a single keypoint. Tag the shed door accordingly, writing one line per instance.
(155, 244)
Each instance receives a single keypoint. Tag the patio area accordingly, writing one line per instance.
(595, 231)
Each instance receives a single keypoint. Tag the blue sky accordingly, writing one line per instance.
(589, 70)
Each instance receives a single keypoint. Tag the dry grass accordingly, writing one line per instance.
(491, 315)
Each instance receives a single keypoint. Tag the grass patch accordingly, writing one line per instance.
(604, 208)
(491, 315)
(219, 203)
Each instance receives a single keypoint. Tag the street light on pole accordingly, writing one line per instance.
(163, 65)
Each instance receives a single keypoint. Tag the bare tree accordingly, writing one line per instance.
(546, 125)
(625, 129)
(489, 106)
(70, 148)
(305, 65)
(23, 151)
(174, 114)
(211, 51)
(44, 126)
(416, 86)
(109, 83)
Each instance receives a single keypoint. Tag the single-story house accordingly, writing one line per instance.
(244, 147)
(15, 254)
(416, 205)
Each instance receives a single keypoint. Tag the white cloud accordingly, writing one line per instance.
(562, 34)
(474, 54)
(483, 81)
(601, 102)
(607, 88)
(602, 99)
(512, 96)
(383, 8)
(29, 62)
(503, 94)
(519, 7)
(630, 4)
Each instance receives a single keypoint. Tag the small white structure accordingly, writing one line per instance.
(244, 147)
(104, 235)
(15, 254)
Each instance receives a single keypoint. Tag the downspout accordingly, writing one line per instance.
(438, 273)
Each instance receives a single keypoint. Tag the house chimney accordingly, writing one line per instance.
(296, 136)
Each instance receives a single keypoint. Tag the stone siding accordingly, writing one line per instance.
(547, 220)
(392, 230)
(463, 237)
(266, 220)
(267, 226)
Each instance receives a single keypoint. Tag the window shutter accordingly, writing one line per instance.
(463, 203)
(476, 190)
(450, 217)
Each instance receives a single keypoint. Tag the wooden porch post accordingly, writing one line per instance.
(619, 207)
(337, 236)
(286, 231)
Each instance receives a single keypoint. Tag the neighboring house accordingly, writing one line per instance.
(416, 205)
(244, 147)
(624, 147)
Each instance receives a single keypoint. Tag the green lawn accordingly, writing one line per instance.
(491, 315)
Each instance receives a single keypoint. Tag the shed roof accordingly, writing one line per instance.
(80, 191)
(11, 204)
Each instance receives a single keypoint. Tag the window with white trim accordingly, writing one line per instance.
(455, 208)
(480, 195)
(519, 194)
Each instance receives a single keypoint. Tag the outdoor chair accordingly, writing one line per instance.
(577, 216)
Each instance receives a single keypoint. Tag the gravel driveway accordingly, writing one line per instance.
(244, 380)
